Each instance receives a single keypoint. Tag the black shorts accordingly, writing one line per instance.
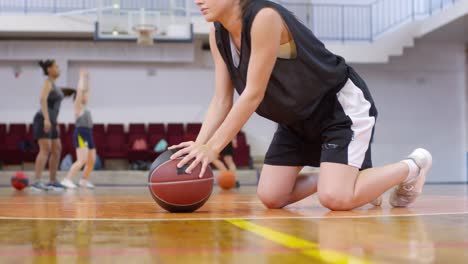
(228, 150)
(341, 131)
(83, 138)
(38, 128)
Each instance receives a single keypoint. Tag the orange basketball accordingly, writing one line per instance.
(226, 180)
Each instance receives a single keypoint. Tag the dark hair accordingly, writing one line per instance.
(46, 64)
(244, 4)
(69, 92)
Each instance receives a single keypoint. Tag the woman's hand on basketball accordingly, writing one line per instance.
(180, 146)
(195, 152)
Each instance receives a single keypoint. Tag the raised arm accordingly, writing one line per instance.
(83, 87)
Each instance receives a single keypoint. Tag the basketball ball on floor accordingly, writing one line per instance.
(173, 189)
(226, 180)
(19, 181)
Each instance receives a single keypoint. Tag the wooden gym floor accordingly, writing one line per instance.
(124, 225)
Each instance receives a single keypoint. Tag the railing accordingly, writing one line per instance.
(331, 22)
(362, 22)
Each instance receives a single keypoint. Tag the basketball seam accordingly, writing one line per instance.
(176, 182)
(155, 169)
(206, 197)
(152, 172)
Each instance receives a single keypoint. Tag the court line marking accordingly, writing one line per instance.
(307, 248)
(226, 218)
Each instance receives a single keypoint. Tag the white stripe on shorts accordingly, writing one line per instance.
(357, 108)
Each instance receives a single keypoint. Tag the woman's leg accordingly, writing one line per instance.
(281, 185)
(89, 163)
(42, 156)
(344, 187)
(54, 160)
(81, 157)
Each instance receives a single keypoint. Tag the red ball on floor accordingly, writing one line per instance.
(19, 181)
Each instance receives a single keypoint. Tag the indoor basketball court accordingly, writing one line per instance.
(123, 224)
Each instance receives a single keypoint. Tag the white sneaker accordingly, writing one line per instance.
(86, 184)
(39, 186)
(68, 183)
(407, 192)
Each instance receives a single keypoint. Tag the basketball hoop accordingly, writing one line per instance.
(145, 33)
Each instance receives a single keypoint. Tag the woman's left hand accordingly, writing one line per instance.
(199, 153)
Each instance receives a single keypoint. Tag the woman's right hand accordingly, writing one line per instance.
(47, 126)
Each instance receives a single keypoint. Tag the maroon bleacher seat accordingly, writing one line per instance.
(71, 128)
(30, 154)
(175, 129)
(10, 152)
(99, 135)
(62, 129)
(99, 128)
(175, 133)
(136, 129)
(3, 128)
(67, 144)
(100, 142)
(194, 128)
(242, 152)
(189, 137)
(115, 141)
(115, 128)
(18, 129)
(116, 144)
(156, 129)
(3, 132)
(174, 139)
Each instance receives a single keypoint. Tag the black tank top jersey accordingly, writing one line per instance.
(296, 85)
(54, 100)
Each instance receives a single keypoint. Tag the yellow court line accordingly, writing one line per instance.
(306, 247)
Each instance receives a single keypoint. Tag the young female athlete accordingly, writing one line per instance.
(46, 128)
(325, 112)
(82, 137)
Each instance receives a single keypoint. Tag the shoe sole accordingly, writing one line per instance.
(69, 187)
(57, 189)
(37, 189)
